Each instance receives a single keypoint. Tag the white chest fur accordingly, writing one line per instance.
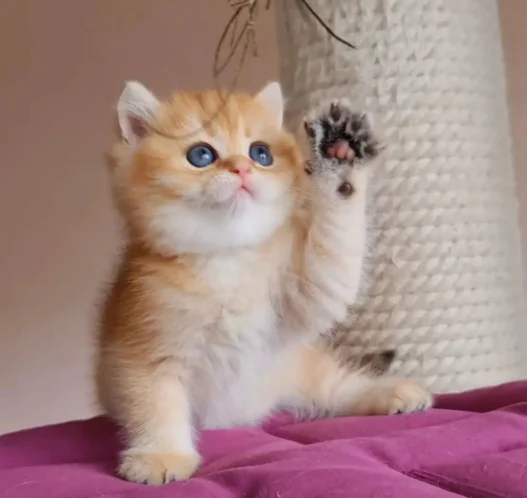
(228, 339)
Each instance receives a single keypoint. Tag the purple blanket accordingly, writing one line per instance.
(473, 444)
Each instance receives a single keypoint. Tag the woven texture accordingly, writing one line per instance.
(446, 276)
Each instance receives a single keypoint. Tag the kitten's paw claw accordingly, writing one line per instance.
(158, 468)
(335, 111)
(404, 396)
(340, 133)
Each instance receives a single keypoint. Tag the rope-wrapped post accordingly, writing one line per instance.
(445, 284)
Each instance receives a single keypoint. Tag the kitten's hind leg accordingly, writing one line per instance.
(325, 386)
(389, 396)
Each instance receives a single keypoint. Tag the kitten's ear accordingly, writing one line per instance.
(271, 97)
(136, 108)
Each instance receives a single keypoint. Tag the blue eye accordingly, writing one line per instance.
(201, 156)
(260, 154)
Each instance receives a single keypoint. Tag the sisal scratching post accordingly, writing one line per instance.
(446, 277)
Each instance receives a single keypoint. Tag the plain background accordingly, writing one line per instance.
(62, 67)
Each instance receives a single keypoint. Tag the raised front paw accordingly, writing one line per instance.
(342, 134)
(158, 468)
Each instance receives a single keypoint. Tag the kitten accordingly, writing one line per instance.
(238, 260)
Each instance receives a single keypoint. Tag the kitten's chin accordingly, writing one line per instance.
(239, 222)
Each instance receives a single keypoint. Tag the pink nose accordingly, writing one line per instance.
(241, 171)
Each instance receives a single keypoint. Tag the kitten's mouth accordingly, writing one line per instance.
(241, 192)
(241, 195)
(244, 189)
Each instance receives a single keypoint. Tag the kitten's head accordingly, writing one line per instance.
(202, 172)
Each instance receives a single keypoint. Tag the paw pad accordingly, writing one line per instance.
(338, 123)
(345, 189)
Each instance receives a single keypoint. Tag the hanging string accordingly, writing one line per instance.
(324, 25)
(238, 39)
(246, 13)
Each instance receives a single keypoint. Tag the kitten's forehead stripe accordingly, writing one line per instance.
(228, 122)
(238, 137)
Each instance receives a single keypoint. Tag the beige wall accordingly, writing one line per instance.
(514, 34)
(62, 66)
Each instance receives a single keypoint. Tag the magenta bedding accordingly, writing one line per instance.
(472, 444)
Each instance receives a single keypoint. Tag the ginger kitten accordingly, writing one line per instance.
(238, 261)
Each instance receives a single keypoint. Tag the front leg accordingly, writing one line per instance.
(332, 251)
(154, 410)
